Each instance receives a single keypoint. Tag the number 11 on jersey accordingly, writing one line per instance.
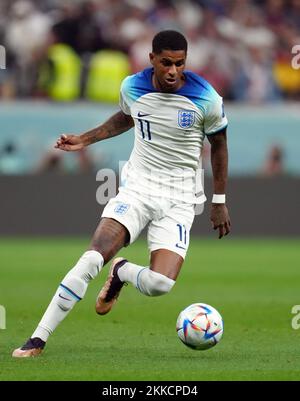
(182, 236)
(145, 129)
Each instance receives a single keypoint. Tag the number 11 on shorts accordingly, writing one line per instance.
(182, 236)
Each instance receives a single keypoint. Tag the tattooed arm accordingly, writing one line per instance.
(115, 125)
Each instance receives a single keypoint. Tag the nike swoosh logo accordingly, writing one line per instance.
(142, 114)
(64, 298)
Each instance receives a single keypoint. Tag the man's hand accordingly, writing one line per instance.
(220, 219)
(69, 143)
(115, 125)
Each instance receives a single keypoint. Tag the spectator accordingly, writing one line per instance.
(60, 72)
(254, 82)
(10, 162)
(274, 165)
(239, 39)
(54, 161)
(26, 34)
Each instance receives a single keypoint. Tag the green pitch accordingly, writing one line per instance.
(253, 283)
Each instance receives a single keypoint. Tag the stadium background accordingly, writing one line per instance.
(64, 63)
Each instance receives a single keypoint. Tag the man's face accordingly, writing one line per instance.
(168, 69)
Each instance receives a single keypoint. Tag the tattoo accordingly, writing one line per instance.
(115, 125)
(109, 237)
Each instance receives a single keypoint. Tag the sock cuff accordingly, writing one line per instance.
(138, 277)
(95, 257)
(153, 283)
(161, 276)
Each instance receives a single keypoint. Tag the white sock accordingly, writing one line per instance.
(129, 272)
(71, 290)
(145, 280)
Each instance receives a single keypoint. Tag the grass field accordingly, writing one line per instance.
(253, 283)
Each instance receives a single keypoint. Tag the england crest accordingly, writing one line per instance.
(186, 118)
(121, 208)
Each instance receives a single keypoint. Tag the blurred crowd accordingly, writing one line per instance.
(67, 50)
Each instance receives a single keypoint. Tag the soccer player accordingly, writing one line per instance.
(172, 111)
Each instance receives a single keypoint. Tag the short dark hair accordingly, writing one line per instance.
(168, 40)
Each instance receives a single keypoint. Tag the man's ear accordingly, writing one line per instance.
(151, 57)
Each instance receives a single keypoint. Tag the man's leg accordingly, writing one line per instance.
(110, 236)
(168, 240)
(158, 279)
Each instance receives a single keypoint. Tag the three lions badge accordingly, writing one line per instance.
(186, 118)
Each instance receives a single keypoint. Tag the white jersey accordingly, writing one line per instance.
(169, 132)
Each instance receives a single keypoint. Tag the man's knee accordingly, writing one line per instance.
(109, 237)
(88, 266)
(154, 284)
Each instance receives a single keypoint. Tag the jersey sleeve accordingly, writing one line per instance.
(215, 119)
(124, 98)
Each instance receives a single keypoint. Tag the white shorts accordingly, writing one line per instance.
(169, 221)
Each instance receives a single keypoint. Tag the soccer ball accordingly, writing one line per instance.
(199, 326)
